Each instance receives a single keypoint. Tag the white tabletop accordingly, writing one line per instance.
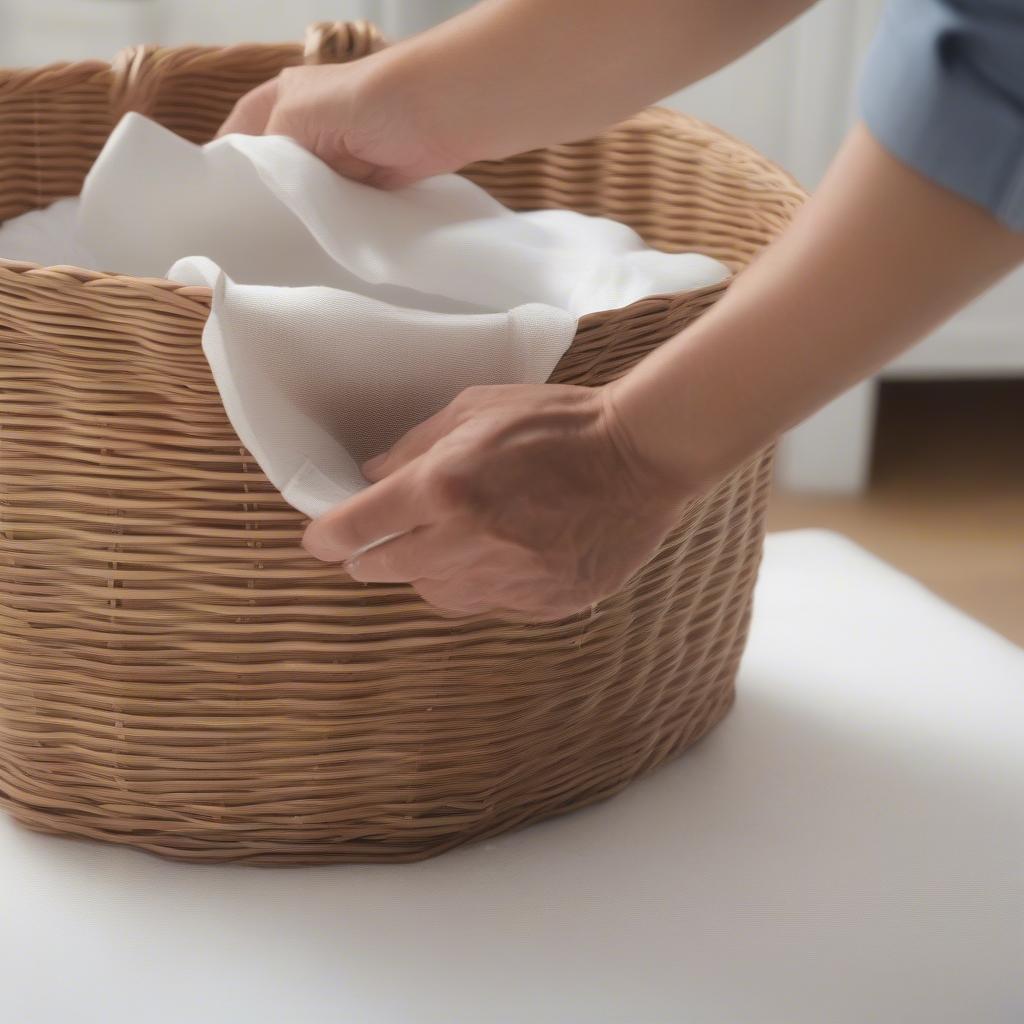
(848, 846)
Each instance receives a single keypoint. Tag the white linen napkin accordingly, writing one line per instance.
(343, 315)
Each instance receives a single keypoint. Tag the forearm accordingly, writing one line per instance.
(875, 260)
(511, 75)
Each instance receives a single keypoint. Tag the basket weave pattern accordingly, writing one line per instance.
(176, 674)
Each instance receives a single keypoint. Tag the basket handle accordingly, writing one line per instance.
(138, 73)
(336, 42)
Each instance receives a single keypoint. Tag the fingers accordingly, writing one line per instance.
(453, 570)
(452, 603)
(264, 111)
(388, 178)
(396, 505)
(436, 552)
(328, 144)
(252, 112)
(452, 600)
(415, 443)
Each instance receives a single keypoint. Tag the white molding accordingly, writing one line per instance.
(964, 350)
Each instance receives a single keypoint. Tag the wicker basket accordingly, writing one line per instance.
(176, 674)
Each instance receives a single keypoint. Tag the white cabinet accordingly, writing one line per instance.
(794, 98)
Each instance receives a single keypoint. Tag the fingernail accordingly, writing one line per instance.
(371, 466)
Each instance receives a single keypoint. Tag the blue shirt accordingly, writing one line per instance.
(943, 91)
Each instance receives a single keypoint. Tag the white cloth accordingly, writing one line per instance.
(846, 847)
(48, 236)
(344, 315)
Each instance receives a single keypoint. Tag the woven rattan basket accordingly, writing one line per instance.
(176, 674)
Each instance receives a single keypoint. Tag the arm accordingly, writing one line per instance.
(528, 73)
(876, 259)
(503, 77)
(539, 500)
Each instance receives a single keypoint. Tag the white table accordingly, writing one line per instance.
(848, 846)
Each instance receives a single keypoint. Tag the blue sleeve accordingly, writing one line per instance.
(943, 91)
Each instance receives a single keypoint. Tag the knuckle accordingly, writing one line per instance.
(462, 401)
(451, 486)
(246, 103)
(471, 397)
(435, 596)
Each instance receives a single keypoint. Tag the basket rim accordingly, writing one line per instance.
(200, 297)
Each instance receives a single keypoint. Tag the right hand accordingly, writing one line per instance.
(355, 117)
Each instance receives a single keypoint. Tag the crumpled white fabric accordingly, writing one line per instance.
(343, 315)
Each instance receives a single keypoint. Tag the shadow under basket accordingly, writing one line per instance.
(176, 674)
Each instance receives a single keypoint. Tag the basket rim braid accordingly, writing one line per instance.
(177, 675)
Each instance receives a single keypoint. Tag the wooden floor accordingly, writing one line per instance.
(946, 502)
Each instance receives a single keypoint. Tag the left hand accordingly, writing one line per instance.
(362, 119)
(527, 501)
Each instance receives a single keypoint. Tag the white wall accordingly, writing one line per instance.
(221, 21)
(757, 98)
(43, 31)
(40, 31)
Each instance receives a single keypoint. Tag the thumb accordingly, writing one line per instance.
(417, 441)
(252, 112)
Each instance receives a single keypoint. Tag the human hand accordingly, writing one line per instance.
(358, 118)
(522, 500)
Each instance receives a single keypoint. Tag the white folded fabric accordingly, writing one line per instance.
(48, 236)
(343, 315)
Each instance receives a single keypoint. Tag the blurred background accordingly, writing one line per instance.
(923, 465)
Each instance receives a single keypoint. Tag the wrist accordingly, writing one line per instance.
(686, 413)
(405, 85)
(650, 444)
